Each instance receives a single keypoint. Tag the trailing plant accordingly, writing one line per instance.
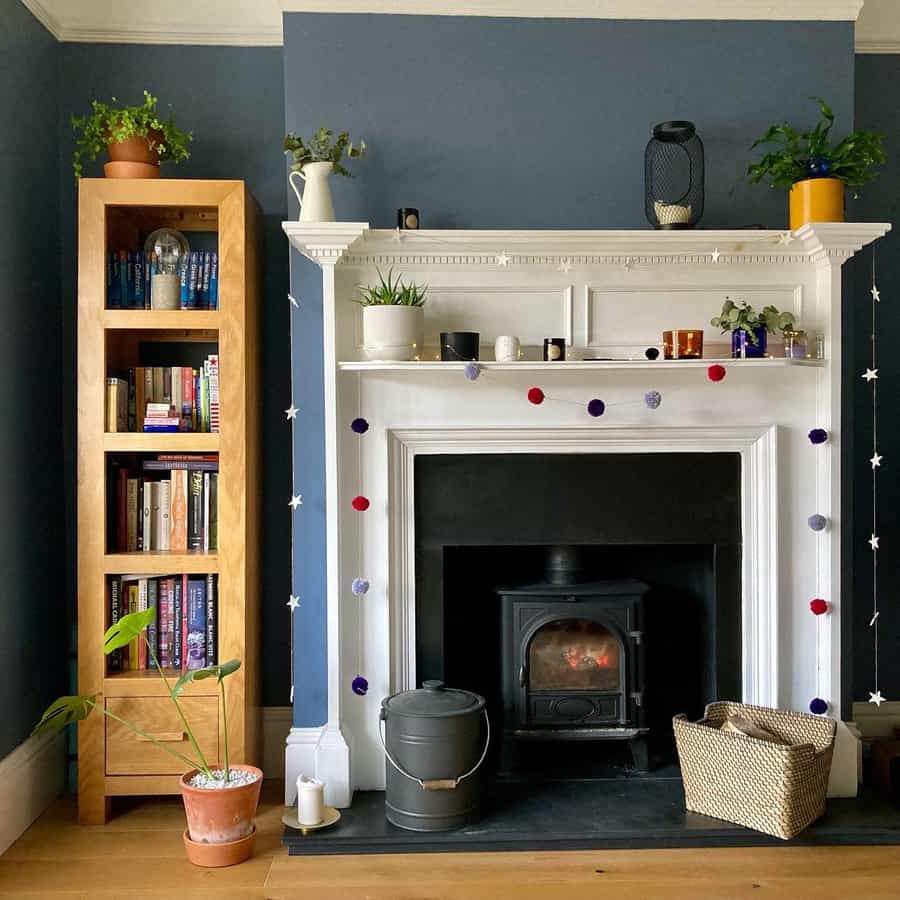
(65, 710)
(741, 315)
(811, 154)
(109, 124)
(391, 291)
(320, 148)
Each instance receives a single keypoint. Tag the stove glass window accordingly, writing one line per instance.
(574, 655)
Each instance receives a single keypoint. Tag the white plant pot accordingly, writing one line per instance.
(393, 333)
(315, 201)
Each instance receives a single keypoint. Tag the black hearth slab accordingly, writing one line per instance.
(634, 813)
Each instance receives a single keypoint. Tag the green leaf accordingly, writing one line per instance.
(64, 711)
(127, 629)
(219, 672)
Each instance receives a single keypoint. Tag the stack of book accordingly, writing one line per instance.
(165, 398)
(129, 279)
(184, 634)
(172, 505)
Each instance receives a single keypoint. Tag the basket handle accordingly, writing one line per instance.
(436, 784)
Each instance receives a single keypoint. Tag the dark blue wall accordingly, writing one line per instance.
(232, 99)
(521, 123)
(32, 620)
(877, 108)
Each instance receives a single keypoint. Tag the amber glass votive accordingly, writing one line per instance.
(683, 343)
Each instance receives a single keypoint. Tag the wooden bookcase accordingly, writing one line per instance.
(120, 213)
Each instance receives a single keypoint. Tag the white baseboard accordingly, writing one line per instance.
(31, 777)
(323, 753)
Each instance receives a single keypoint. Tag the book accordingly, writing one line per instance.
(170, 618)
(212, 624)
(196, 624)
(214, 511)
(142, 605)
(163, 618)
(213, 376)
(133, 652)
(115, 611)
(177, 616)
(187, 396)
(116, 405)
(147, 505)
(206, 512)
(131, 513)
(214, 282)
(162, 465)
(178, 516)
(132, 400)
(165, 505)
(153, 627)
(195, 511)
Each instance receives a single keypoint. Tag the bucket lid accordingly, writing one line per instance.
(433, 700)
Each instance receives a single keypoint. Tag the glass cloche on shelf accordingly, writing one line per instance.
(166, 251)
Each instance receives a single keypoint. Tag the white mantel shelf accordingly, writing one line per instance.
(356, 242)
(435, 365)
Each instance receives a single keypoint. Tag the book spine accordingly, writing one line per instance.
(187, 397)
(132, 400)
(214, 511)
(199, 299)
(123, 279)
(163, 632)
(149, 267)
(214, 282)
(157, 394)
(131, 515)
(146, 515)
(122, 511)
(133, 652)
(207, 264)
(178, 520)
(184, 622)
(212, 613)
(154, 514)
(159, 465)
(177, 381)
(140, 398)
(195, 511)
(160, 429)
(140, 514)
(115, 611)
(184, 285)
(192, 281)
(165, 515)
(196, 624)
(153, 627)
(139, 279)
(206, 512)
(214, 393)
(111, 404)
(177, 610)
(167, 386)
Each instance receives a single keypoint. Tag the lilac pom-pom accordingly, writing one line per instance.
(818, 706)
(359, 426)
(817, 522)
(359, 586)
(653, 399)
(472, 371)
(596, 408)
(818, 436)
(360, 686)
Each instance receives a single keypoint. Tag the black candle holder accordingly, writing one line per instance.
(554, 349)
(459, 346)
(408, 218)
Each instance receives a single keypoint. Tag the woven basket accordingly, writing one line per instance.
(778, 789)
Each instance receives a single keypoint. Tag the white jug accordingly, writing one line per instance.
(315, 204)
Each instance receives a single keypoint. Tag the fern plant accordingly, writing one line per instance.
(741, 315)
(811, 154)
(391, 291)
(321, 148)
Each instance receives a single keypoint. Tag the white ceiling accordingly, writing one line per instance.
(258, 22)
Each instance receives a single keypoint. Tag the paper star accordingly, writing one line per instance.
(876, 294)
(293, 603)
(293, 300)
(870, 374)
(876, 698)
(564, 266)
(291, 411)
(874, 618)
(715, 255)
(502, 259)
(295, 501)
(876, 460)
(873, 542)
(785, 239)
(627, 264)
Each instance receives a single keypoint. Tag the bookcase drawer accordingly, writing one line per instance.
(129, 754)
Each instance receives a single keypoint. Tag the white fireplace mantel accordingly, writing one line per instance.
(610, 294)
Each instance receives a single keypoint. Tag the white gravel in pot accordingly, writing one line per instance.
(237, 778)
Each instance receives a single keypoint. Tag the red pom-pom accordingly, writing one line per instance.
(360, 503)
(715, 372)
(535, 396)
(818, 606)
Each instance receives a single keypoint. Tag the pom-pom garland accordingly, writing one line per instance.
(652, 399)
(535, 396)
(817, 522)
(472, 371)
(360, 503)
(818, 436)
(360, 686)
(818, 606)
(596, 408)
(359, 425)
(715, 372)
(359, 586)
(818, 706)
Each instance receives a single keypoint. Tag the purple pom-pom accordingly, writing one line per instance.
(472, 371)
(360, 686)
(817, 522)
(818, 436)
(653, 399)
(596, 408)
(818, 706)
(359, 586)
(359, 426)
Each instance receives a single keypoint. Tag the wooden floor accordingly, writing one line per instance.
(139, 855)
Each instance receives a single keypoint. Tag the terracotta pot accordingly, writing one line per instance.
(217, 856)
(221, 818)
(130, 170)
(133, 158)
(817, 200)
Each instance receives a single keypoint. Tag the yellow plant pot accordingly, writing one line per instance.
(817, 200)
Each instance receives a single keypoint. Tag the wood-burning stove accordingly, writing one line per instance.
(573, 666)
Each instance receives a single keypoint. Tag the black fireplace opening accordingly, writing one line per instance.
(588, 611)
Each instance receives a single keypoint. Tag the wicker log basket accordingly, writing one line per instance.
(776, 788)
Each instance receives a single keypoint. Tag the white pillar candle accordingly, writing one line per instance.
(506, 348)
(310, 800)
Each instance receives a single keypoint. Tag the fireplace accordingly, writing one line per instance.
(572, 664)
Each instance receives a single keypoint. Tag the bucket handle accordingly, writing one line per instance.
(436, 784)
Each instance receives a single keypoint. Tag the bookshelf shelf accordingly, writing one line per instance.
(116, 214)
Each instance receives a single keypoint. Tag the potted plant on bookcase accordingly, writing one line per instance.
(393, 318)
(220, 803)
(136, 138)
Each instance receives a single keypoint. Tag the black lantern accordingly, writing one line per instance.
(673, 176)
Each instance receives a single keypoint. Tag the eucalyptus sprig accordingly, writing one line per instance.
(811, 154)
(741, 315)
(109, 124)
(391, 291)
(320, 148)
